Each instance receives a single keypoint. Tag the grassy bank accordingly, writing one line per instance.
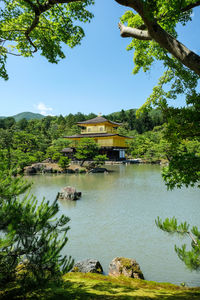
(93, 286)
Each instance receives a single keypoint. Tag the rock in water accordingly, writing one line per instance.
(88, 266)
(69, 193)
(125, 266)
(98, 170)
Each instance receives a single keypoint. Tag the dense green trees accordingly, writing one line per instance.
(152, 146)
(26, 142)
(146, 121)
(87, 149)
(37, 140)
(149, 146)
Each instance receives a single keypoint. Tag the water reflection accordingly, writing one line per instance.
(67, 203)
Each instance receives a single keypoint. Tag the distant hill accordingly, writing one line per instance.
(27, 116)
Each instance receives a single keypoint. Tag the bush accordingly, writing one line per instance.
(100, 159)
(64, 162)
(31, 237)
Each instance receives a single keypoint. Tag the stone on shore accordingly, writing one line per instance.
(125, 266)
(30, 170)
(69, 193)
(47, 170)
(98, 170)
(88, 266)
(42, 168)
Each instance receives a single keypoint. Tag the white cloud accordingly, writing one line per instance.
(43, 109)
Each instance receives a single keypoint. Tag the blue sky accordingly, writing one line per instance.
(95, 76)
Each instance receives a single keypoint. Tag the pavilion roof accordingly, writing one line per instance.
(97, 120)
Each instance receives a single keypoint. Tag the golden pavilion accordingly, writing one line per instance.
(104, 132)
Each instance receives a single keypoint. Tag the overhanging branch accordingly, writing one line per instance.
(190, 6)
(163, 38)
(134, 33)
(38, 10)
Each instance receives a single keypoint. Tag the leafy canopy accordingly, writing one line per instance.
(28, 26)
(160, 19)
(167, 14)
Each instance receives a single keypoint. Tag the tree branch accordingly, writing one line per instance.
(13, 54)
(10, 30)
(33, 6)
(133, 32)
(38, 10)
(137, 5)
(190, 6)
(164, 39)
(28, 31)
(184, 9)
(193, 239)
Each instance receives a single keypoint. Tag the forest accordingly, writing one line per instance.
(25, 141)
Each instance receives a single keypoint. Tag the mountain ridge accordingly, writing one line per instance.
(25, 115)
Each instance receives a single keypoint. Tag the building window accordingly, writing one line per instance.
(101, 129)
(121, 154)
(89, 129)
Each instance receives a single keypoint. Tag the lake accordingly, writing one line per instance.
(116, 217)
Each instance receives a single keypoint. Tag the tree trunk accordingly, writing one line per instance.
(162, 37)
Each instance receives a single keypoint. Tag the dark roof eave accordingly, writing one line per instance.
(96, 135)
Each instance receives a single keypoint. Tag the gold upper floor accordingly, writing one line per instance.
(99, 128)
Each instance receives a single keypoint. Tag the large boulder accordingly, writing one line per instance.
(69, 171)
(69, 193)
(47, 170)
(30, 170)
(98, 170)
(38, 167)
(125, 266)
(88, 266)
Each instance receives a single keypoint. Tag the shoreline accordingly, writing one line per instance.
(75, 166)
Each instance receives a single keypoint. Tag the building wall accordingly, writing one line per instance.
(106, 142)
(119, 142)
(100, 128)
(114, 141)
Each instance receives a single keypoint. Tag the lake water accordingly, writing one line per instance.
(116, 217)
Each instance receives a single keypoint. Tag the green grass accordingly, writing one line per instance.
(95, 286)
